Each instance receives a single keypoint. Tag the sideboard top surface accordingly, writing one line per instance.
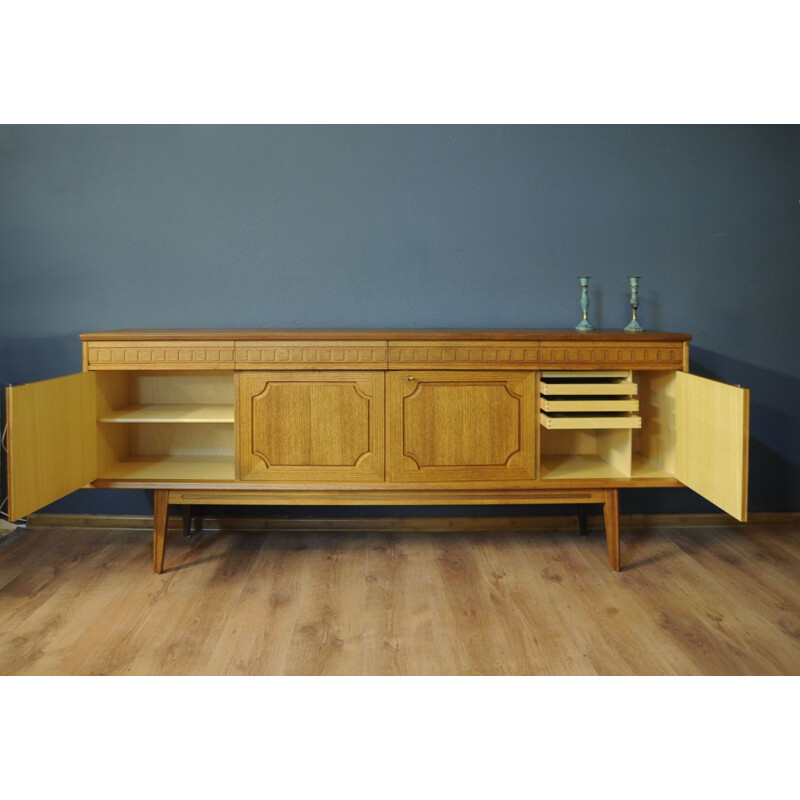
(367, 334)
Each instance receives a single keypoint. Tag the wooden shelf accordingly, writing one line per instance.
(181, 468)
(172, 412)
(569, 466)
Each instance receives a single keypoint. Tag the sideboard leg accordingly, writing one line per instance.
(187, 521)
(583, 519)
(160, 515)
(611, 517)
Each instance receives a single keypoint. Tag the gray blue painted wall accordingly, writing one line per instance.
(417, 226)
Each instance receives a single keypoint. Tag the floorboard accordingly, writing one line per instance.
(721, 600)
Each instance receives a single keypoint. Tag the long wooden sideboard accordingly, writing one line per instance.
(379, 417)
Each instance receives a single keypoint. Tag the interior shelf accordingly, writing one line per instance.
(633, 441)
(171, 412)
(187, 468)
(572, 466)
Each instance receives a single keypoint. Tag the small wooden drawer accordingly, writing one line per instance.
(589, 404)
(160, 355)
(575, 421)
(599, 383)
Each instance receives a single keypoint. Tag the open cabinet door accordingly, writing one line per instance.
(713, 432)
(52, 440)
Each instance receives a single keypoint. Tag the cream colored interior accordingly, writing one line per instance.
(632, 435)
(165, 425)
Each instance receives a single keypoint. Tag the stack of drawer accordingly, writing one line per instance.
(594, 400)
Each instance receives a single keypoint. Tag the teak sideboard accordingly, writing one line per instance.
(379, 417)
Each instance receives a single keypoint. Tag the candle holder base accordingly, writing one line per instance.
(633, 327)
(584, 325)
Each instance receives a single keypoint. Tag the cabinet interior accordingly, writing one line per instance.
(165, 425)
(604, 435)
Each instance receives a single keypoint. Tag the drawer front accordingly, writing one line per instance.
(160, 355)
(633, 355)
(587, 384)
(311, 355)
(471, 355)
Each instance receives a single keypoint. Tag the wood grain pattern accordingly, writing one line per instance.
(712, 437)
(655, 442)
(179, 387)
(416, 497)
(180, 413)
(611, 519)
(717, 600)
(452, 430)
(460, 426)
(158, 471)
(113, 441)
(52, 440)
(160, 515)
(311, 426)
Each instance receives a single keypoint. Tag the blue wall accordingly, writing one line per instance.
(417, 226)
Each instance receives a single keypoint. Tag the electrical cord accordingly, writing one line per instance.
(4, 500)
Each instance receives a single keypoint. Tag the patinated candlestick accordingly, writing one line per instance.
(633, 326)
(584, 324)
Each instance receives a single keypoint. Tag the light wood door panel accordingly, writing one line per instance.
(712, 441)
(52, 440)
(460, 426)
(311, 426)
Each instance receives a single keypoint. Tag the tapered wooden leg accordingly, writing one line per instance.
(611, 518)
(160, 514)
(583, 519)
(187, 521)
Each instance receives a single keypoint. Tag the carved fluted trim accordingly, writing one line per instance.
(160, 355)
(492, 354)
(622, 353)
(291, 355)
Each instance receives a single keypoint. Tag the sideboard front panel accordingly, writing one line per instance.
(311, 426)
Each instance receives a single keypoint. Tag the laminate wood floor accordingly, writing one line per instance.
(689, 601)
